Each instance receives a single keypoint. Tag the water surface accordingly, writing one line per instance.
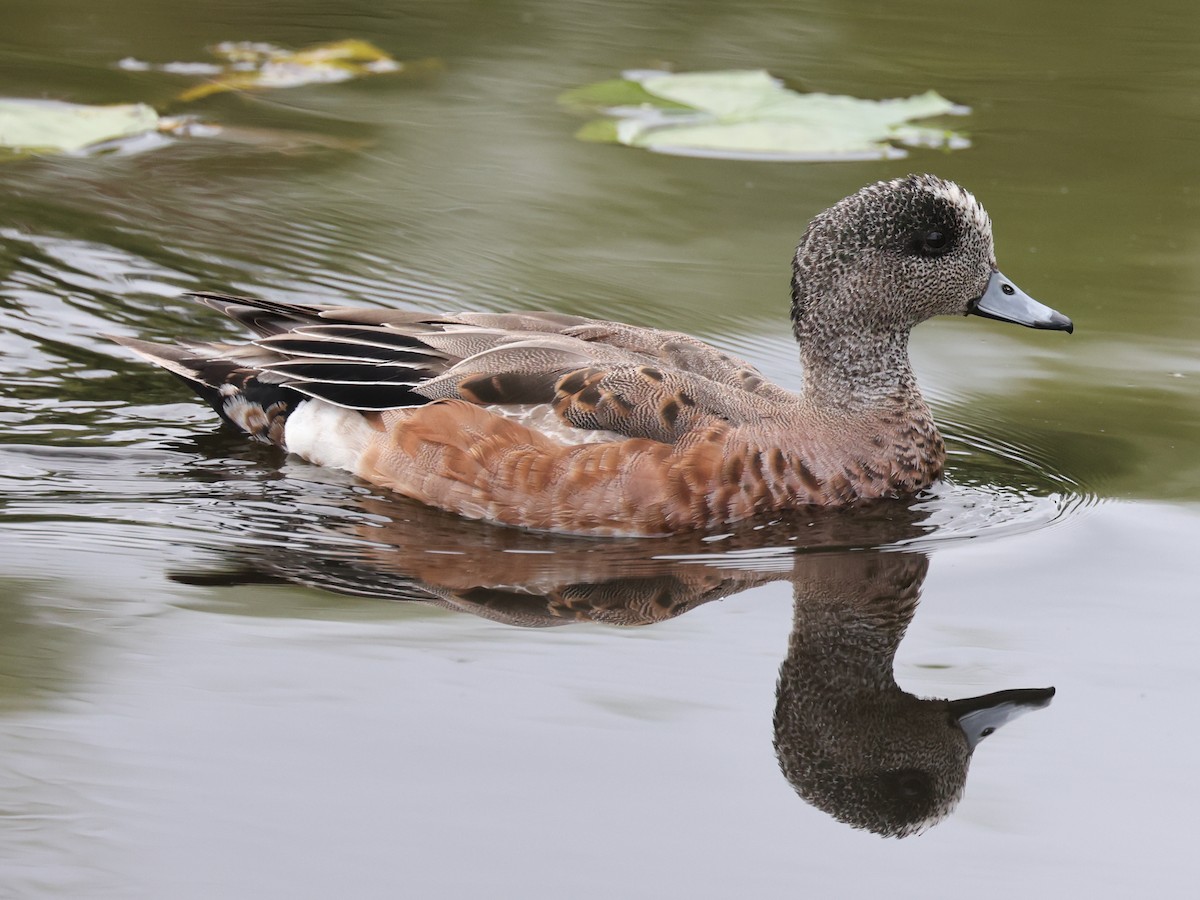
(192, 706)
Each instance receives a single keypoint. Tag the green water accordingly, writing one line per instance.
(188, 710)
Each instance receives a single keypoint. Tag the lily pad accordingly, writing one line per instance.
(616, 93)
(751, 115)
(38, 127)
(249, 66)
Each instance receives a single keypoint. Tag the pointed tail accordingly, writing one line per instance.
(229, 379)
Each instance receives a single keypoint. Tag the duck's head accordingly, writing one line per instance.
(898, 252)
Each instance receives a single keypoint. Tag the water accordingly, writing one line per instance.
(189, 709)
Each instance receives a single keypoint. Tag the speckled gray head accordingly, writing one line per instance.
(898, 252)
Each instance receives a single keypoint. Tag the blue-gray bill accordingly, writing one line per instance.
(1005, 301)
(980, 716)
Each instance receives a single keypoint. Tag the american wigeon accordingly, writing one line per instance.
(559, 423)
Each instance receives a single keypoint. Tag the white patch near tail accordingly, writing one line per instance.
(327, 435)
(541, 417)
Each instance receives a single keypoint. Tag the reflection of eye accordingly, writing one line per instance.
(909, 784)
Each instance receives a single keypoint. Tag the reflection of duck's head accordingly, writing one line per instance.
(850, 741)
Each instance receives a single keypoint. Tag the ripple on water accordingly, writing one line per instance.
(995, 488)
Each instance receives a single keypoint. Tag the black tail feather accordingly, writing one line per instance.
(376, 396)
(358, 359)
(263, 317)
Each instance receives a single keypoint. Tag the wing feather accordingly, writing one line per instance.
(603, 376)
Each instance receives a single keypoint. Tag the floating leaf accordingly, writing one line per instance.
(49, 127)
(40, 127)
(247, 66)
(750, 115)
(614, 94)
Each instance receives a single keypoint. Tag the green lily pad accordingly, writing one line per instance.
(750, 115)
(247, 66)
(39, 127)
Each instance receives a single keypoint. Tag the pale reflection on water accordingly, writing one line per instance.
(851, 742)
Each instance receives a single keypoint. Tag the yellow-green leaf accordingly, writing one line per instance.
(250, 66)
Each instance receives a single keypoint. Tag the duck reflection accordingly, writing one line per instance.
(850, 740)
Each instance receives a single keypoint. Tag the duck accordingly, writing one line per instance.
(553, 422)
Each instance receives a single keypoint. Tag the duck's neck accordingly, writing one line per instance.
(858, 371)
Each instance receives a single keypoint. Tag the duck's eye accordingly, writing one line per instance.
(933, 242)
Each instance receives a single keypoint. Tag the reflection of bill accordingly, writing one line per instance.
(848, 738)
